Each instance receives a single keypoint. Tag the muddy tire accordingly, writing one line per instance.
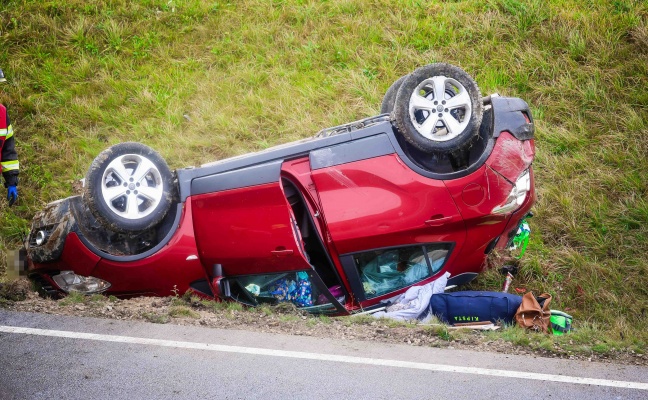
(389, 100)
(438, 109)
(129, 187)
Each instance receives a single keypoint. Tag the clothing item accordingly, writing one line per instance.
(414, 303)
(8, 157)
(303, 297)
(299, 292)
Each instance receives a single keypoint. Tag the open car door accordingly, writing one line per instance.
(379, 205)
(247, 230)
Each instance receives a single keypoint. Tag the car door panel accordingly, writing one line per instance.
(247, 230)
(380, 202)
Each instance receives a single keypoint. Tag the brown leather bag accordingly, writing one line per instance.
(531, 315)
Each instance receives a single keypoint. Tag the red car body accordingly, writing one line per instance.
(323, 206)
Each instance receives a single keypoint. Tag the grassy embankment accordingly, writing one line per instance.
(203, 80)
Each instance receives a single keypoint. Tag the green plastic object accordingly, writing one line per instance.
(521, 239)
(561, 322)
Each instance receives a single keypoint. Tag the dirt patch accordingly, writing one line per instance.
(286, 319)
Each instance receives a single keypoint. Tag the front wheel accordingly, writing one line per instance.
(129, 187)
(438, 109)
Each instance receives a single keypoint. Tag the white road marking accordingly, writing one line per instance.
(325, 357)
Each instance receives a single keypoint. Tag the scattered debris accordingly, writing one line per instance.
(482, 326)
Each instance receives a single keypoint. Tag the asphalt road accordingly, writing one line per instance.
(46, 357)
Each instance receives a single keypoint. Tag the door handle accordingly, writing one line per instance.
(438, 220)
(281, 253)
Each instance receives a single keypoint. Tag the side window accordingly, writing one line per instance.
(387, 270)
(294, 287)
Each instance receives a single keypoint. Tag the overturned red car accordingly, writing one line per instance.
(333, 223)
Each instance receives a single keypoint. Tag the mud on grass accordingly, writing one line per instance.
(287, 319)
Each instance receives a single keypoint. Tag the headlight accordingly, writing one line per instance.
(517, 196)
(68, 281)
(41, 237)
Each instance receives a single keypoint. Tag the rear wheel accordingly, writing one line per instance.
(129, 187)
(438, 109)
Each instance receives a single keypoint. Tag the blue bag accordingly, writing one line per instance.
(474, 306)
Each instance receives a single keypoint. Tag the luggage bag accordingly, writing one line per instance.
(474, 306)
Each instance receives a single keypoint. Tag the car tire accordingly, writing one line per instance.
(129, 187)
(438, 109)
(389, 100)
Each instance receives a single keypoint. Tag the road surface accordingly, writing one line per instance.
(46, 357)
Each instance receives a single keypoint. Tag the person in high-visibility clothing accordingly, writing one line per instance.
(8, 156)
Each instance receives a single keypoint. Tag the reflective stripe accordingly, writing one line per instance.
(10, 165)
(3, 132)
(9, 131)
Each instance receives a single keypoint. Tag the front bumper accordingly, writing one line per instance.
(52, 224)
(76, 244)
(54, 246)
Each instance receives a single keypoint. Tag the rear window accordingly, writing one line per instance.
(386, 270)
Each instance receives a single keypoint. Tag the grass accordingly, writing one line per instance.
(183, 312)
(156, 318)
(201, 80)
(287, 318)
(74, 298)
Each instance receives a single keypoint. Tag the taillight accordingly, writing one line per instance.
(517, 196)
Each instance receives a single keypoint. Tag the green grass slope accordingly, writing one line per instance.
(202, 80)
